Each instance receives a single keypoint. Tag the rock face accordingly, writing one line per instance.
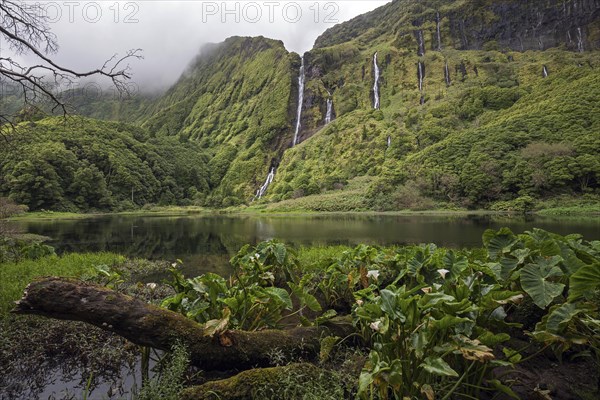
(516, 25)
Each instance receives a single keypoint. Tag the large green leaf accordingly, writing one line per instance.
(584, 282)
(437, 366)
(498, 243)
(535, 280)
(560, 316)
(280, 295)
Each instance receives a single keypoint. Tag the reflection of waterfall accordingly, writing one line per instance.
(376, 85)
(300, 101)
(447, 74)
(545, 72)
(439, 33)
(421, 74)
(421, 42)
(329, 111)
(260, 192)
(580, 47)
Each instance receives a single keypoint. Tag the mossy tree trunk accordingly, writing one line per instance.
(149, 325)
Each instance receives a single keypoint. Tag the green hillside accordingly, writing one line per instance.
(85, 164)
(482, 104)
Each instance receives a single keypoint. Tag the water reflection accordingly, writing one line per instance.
(210, 240)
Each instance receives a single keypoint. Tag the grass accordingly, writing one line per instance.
(311, 258)
(14, 277)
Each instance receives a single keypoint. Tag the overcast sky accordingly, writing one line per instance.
(172, 32)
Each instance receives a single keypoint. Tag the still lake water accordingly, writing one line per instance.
(207, 241)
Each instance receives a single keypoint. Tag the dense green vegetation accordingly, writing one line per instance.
(436, 322)
(83, 164)
(503, 120)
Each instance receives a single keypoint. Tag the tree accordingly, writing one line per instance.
(25, 28)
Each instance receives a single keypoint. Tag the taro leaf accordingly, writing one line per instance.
(498, 243)
(500, 387)
(584, 282)
(491, 339)
(560, 316)
(327, 315)
(437, 366)
(419, 341)
(448, 321)
(280, 295)
(473, 350)
(389, 305)
(535, 281)
(364, 381)
(280, 252)
(216, 326)
(427, 390)
(327, 345)
(395, 374)
(432, 299)
(305, 298)
(416, 263)
(455, 264)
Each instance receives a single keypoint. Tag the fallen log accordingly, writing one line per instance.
(291, 381)
(148, 325)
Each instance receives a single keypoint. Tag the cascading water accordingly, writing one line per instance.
(389, 141)
(376, 85)
(421, 74)
(439, 33)
(447, 74)
(329, 111)
(421, 41)
(261, 192)
(580, 47)
(300, 101)
(545, 72)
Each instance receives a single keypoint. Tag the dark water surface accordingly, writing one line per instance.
(208, 240)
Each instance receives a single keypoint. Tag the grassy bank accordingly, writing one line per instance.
(14, 277)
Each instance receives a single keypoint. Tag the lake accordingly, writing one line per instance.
(205, 242)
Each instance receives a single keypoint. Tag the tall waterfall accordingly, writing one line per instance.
(421, 74)
(376, 85)
(421, 41)
(260, 192)
(300, 101)
(389, 141)
(545, 72)
(439, 33)
(580, 47)
(329, 111)
(447, 74)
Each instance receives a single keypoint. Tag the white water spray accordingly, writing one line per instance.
(420, 73)
(329, 111)
(300, 101)
(580, 47)
(261, 192)
(447, 74)
(421, 41)
(376, 85)
(545, 72)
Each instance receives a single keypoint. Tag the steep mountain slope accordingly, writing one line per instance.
(432, 99)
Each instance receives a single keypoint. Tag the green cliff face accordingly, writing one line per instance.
(235, 102)
(479, 102)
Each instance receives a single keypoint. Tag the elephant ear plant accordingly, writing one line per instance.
(429, 340)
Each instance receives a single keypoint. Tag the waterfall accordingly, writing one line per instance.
(300, 101)
(439, 34)
(447, 74)
(376, 85)
(545, 72)
(580, 47)
(421, 74)
(329, 110)
(421, 43)
(260, 192)
(389, 141)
